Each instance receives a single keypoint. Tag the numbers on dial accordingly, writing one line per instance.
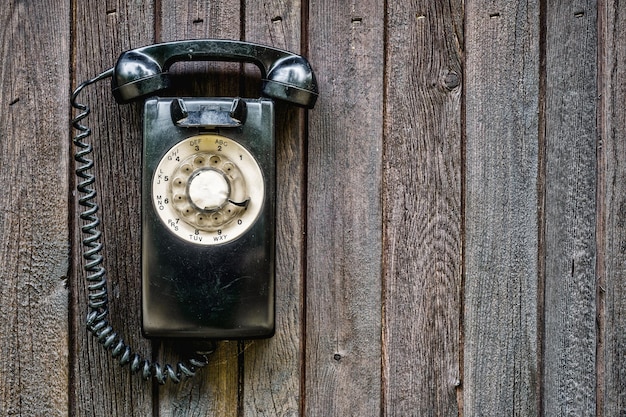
(208, 189)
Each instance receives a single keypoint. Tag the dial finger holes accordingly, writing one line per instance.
(229, 168)
(186, 210)
(199, 160)
(202, 219)
(211, 181)
(187, 168)
(178, 182)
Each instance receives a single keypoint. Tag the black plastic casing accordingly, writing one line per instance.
(143, 71)
(221, 291)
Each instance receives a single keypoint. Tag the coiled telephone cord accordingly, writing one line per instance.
(97, 322)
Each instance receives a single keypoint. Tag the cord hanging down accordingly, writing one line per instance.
(97, 322)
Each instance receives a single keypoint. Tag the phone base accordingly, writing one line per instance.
(208, 237)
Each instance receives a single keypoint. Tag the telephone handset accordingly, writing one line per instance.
(143, 71)
(208, 193)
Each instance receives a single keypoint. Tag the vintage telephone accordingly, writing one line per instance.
(208, 192)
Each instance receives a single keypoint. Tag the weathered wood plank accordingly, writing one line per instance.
(215, 389)
(611, 206)
(188, 19)
(501, 209)
(422, 208)
(343, 289)
(99, 386)
(569, 382)
(33, 208)
(272, 368)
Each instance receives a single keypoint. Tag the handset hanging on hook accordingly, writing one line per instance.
(143, 71)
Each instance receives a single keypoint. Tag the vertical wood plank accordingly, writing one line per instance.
(204, 19)
(343, 292)
(422, 208)
(612, 208)
(215, 389)
(501, 209)
(33, 208)
(570, 209)
(272, 368)
(102, 30)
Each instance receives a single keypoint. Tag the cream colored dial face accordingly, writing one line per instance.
(208, 189)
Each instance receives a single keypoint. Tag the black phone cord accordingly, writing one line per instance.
(97, 322)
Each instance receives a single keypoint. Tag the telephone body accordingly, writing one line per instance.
(208, 190)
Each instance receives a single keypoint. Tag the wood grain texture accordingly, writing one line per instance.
(204, 19)
(272, 369)
(99, 387)
(422, 208)
(343, 291)
(33, 209)
(501, 209)
(214, 390)
(570, 209)
(612, 210)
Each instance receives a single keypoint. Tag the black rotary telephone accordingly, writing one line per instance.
(208, 199)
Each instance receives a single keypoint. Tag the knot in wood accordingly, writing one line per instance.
(451, 80)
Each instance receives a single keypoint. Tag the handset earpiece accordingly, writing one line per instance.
(291, 79)
(137, 75)
(143, 71)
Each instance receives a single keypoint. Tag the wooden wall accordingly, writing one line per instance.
(451, 215)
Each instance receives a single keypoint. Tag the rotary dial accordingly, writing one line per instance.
(208, 189)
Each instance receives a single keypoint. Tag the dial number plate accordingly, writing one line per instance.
(208, 190)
